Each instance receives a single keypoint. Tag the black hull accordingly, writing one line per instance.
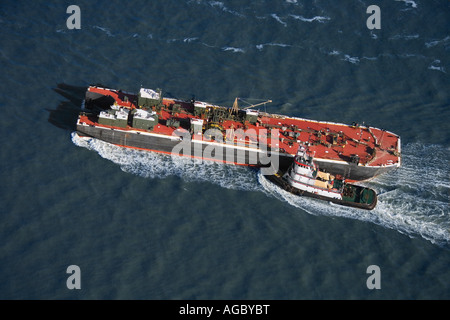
(164, 144)
(175, 146)
(279, 181)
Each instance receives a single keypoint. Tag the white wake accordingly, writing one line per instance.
(413, 200)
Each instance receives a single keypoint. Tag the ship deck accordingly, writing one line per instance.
(328, 141)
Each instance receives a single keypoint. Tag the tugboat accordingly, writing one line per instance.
(304, 178)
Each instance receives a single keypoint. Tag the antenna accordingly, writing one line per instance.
(258, 104)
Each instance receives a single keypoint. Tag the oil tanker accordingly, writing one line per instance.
(147, 120)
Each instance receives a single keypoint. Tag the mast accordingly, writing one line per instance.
(235, 108)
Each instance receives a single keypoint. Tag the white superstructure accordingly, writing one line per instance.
(304, 175)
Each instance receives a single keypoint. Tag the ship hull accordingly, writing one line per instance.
(353, 171)
(194, 149)
(214, 152)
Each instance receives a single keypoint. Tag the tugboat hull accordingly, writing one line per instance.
(282, 183)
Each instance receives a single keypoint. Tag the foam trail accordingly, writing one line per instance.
(261, 46)
(105, 30)
(316, 18)
(354, 60)
(334, 53)
(233, 49)
(188, 40)
(434, 43)
(409, 2)
(413, 200)
(153, 165)
(404, 37)
(435, 66)
(273, 15)
(222, 6)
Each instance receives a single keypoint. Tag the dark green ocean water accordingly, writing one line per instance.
(145, 226)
